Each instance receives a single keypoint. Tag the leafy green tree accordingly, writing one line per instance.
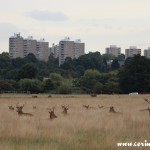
(65, 88)
(68, 64)
(115, 64)
(89, 79)
(135, 76)
(48, 85)
(18, 62)
(111, 87)
(121, 57)
(5, 61)
(108, 57)
(56, 79)
(30, 58)
(5, 85)
(32, 85)
(98, 88)
(90, 61)
(28, 71)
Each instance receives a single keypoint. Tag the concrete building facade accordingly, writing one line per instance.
(147, 53)
(71, 49)
(114, 50)
(29, 46)
(54, 50)
(133, 50)
(16, 46)
(79, 48)
(20, 47)
(42, 48)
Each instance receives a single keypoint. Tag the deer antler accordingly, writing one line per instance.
(147, 100)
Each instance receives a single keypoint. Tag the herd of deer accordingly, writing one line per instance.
(65, 110)
(50, 110)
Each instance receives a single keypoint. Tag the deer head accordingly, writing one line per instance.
(147, 100)
(11, 107)
(65, 109)
(19, 109)
(52, 114)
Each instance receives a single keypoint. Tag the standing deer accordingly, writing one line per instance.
(52, 114)
(65, 109)
(11, 107)
(20, 112)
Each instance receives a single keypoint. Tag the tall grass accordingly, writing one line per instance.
(81, 129)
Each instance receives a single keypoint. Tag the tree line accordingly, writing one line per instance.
(90, 73)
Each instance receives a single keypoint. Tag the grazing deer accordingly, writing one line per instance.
(93, 95)
(65, 109)
(49, 96)
(11, 107)
(52, 114)
(34, 107)
(20, 112)
(34, 96)
(112, 110)
(86, 106)
(100, 107)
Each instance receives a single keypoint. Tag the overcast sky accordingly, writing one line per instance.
(98, 23)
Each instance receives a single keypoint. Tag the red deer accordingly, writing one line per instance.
(34, 96)
(20, 112)
(52, 114)
(65, 109)
(34, 107)
(148, 109)
(93, 95)
(100, 107)
(147, 100)
(112, 110)
(86, 106)
(11, 107)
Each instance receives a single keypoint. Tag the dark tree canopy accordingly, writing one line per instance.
(135, 76)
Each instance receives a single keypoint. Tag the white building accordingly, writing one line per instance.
(133, 50)
(114, 50)
(147, 53)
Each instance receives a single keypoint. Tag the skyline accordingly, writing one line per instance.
(97, 23)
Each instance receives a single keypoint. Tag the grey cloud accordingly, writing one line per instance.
(47, 15)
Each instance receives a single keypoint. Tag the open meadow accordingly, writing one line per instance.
(92, 128)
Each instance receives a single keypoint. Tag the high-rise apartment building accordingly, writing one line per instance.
(20, 47)
(147, 53)
(54, 50)
(114, 50)
(79, 48)
(42, 48)
(133, 50)
(29, 46)
(16, 46)
(68, 48)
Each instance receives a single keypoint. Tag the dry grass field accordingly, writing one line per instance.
(81, 129)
